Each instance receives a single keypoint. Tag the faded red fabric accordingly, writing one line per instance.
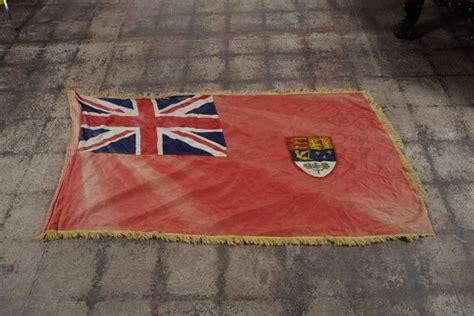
(256, 190)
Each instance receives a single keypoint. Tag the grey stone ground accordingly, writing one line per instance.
(426, 88)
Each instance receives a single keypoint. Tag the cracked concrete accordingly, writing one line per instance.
(426, 88)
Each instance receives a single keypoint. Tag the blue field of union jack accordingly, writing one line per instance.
(177, 125)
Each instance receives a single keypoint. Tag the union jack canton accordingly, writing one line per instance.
(177, 125)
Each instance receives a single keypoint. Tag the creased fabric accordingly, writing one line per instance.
(249, 186)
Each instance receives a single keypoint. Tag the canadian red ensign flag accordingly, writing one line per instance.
(267, 169)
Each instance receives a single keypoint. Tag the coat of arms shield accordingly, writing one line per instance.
(314, 155)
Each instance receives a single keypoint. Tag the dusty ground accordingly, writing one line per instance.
(426, 88)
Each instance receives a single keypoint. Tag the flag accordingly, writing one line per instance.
(175, 126)
(308, 168)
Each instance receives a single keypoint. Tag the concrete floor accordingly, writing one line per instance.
(425, 86)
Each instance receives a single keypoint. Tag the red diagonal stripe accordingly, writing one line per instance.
(172, 109)
(199, 140)
(97, 105)
(110, 139)
(192, 122)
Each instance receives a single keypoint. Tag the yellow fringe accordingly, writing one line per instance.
(415, 181)
(228, 240)
(108, 94)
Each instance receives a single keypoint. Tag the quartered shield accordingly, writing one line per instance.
(314, 155)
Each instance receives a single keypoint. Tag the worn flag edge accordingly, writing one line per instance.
(51, 234)
(228, 239)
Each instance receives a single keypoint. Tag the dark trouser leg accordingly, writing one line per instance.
(470, 20)
(406, 28)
